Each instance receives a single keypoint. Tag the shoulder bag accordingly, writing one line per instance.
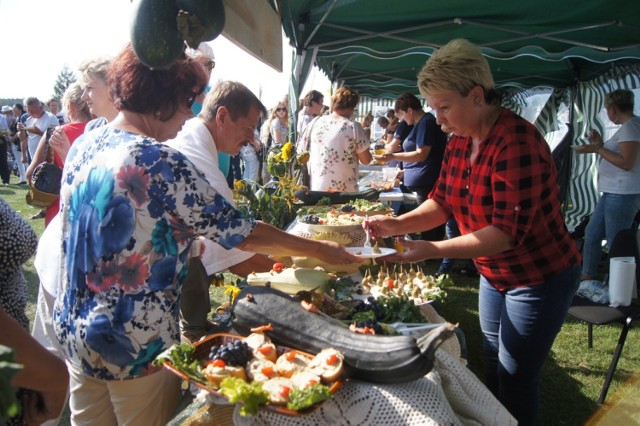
(44, 187)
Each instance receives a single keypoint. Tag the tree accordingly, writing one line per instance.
(64, 80)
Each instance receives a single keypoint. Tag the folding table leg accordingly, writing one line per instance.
(614, 361)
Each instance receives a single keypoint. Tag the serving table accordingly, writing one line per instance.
(449, 394)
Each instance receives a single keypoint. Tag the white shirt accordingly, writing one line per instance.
(3, 123)
(46, 120)
(613, 179)
(197, 144)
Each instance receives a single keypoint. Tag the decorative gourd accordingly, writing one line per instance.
(204, 22)
(379, 359)
(154, 33)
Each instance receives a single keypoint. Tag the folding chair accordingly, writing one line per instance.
(625, 243)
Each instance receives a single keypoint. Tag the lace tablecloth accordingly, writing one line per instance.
(449, 394)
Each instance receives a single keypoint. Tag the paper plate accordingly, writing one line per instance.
(367, 252)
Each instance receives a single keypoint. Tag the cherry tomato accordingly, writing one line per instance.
(390, 283)
(332, 359)
(219, 363)
(265, 349)
(291, 355)
(267, 371)
(284, 391)
(278, 267)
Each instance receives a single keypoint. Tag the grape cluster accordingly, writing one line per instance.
(370, 323)
(311, 219)
(371, 304)
(347, 208)
(236, 353)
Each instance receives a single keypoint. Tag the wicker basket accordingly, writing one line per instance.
(202, 349)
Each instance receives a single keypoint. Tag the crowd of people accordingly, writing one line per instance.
(146, 217)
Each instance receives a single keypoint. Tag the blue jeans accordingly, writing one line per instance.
(451, 230)
(613, 213)
(251, 164)
(519, 326)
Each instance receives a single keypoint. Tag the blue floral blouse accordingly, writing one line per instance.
(131, 208)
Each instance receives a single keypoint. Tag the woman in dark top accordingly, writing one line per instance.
(422, 152)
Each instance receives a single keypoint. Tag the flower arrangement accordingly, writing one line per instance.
(274, 202)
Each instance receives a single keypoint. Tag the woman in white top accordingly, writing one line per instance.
(311, 108)
(336, 145)
(279, 124)
(618, 179)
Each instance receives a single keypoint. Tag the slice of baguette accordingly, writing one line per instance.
(328, 364)
(278, 390)
(287, 368)
(257, 370)
(304, 379)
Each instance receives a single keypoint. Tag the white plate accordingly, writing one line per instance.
(367, 252)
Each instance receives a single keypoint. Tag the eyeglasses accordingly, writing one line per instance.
(280, 109)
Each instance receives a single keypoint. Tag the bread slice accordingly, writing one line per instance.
(278, 390)
(290, 362)
(255, 340)
(261, 370)
(266, 351)
(328, 364)
(304, 379)
(215, 375)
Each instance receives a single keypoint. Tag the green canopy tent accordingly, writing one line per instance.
(578, 51)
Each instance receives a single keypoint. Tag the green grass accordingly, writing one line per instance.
(572, 376)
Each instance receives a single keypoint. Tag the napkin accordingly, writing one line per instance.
(622, 277)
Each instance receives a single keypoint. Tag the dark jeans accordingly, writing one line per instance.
(437, 233)
(235, 170)
(519, 327)
(452, 231)
(5, 173)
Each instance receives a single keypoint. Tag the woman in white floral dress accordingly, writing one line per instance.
(337, 145)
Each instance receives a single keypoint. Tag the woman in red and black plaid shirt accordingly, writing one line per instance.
(498, 180)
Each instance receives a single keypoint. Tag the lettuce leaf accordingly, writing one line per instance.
(301, 399)
(251, 396)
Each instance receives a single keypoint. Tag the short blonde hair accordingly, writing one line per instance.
(96, 68)
(458, 66)
(344, 98)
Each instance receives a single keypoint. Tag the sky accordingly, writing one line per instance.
(47, 34)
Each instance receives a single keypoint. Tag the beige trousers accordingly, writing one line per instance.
(150, 400)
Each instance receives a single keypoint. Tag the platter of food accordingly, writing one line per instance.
(256, 373)
(371, 252)
(332, 221)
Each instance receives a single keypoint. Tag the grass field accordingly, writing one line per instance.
(572, 376)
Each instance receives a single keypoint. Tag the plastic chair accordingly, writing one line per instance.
(625, 243)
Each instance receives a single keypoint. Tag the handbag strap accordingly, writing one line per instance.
(49, 158)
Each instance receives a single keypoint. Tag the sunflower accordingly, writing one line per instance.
(287, 150)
